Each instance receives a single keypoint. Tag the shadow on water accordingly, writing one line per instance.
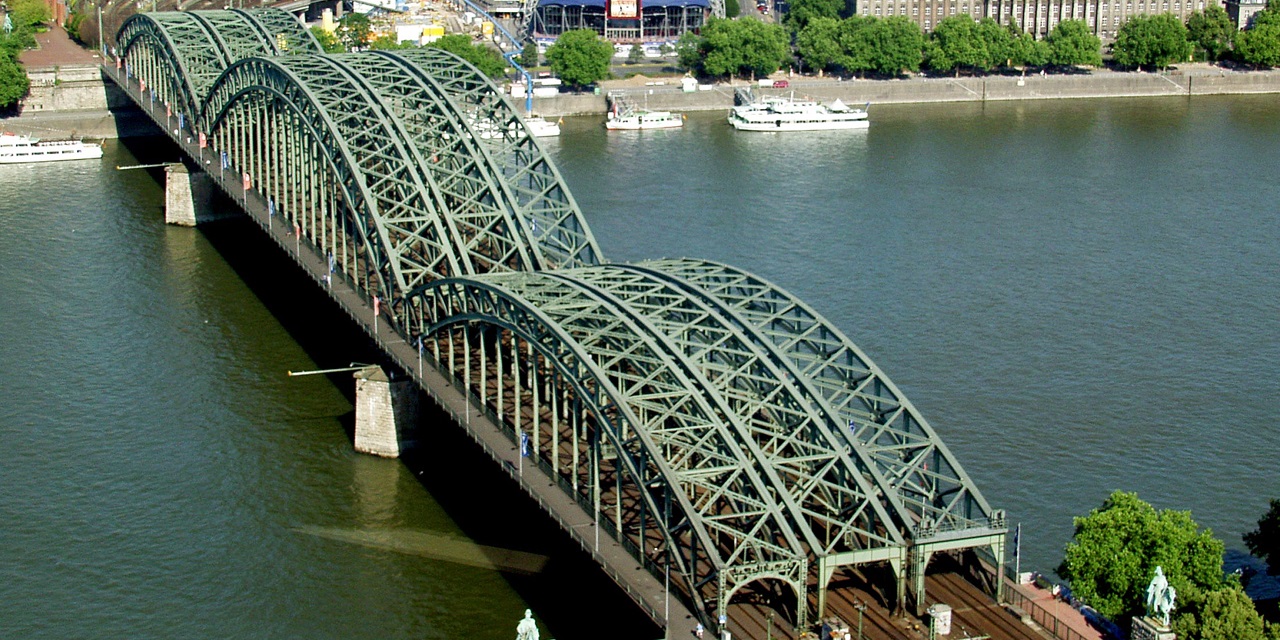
(488, 506)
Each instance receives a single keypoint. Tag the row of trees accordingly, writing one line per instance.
(1116, 548)
(23, 19)
(355, 33)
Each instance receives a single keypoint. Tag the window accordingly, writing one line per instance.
(953, 9)
(915, 11)
(927, 24)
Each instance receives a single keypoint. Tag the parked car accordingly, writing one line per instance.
(781, 84)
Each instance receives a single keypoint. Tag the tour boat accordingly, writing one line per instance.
(635, 119)
(15, 149)
(789, 114)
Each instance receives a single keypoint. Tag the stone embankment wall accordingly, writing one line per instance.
(1102, 84)
(77, 101)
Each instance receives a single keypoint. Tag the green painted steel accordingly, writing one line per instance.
(718, 427)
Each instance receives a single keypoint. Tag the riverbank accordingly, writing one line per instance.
(665, 94)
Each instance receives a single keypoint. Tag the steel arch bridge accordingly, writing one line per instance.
(718, 427)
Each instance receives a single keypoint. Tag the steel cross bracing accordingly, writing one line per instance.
(926, 486)
(181, 54)
(642, 391)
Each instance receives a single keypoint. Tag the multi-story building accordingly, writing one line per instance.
(1037, 17)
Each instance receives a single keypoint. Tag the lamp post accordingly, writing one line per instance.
(860, 607)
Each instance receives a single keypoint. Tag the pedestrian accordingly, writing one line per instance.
(698, 630)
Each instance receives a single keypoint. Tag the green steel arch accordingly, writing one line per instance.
(641, 391)
(426, 173)
(180, 54)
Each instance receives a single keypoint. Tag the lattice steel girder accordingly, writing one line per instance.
(538, 195)
(651, 389)
(925, 483)
(831, 497)
(200, 45)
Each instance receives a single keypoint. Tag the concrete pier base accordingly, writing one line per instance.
(385, 413)
(187, 196)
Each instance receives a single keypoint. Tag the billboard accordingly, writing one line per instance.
(624, 9)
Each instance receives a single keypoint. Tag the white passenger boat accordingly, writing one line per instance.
(789, 114)
(542, 128)
(15, 149)
(634, 119)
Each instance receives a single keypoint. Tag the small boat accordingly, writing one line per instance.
(789, 114)
(15, 149)
(635, 119)
(541, 127)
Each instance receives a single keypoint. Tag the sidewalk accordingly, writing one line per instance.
(54, 48)
(1058, 618)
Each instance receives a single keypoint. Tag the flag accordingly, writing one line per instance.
(128, 72)
(271, 207)
(377, 305)
(246, 181)
(524, 444)
(168, 110)
(1017, 533)
(297, 229)
(204, 142)
(142, 85)
(420, 345)
(180, 121)
(119, 63)
(226, 160)
(331, 263)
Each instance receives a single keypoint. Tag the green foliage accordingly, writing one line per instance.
(354, 31)
(77, 26)
(29, 13)
(636, 54)
(1260, 44)
(732, 8)
(328, 40)
(895, 45)
(689, 51)
(1210, 31)
(486, 59)
(13, 81)
(1071, 44)
(853, 36)
(1227, 614)
(580, 57)
(959, 42)
(802, 11)
(996, 41)
(1151, 41)
(740, 46)
(529, 55)
(818, 43)
(1117, 547)
(23, 37)
(1264, 542)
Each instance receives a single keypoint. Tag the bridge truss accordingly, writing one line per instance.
(717, 426)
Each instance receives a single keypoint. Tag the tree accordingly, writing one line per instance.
(997, 41)
(1227, 614)
(1211, 31)
(328, 40)
(1259, 45)
(580, 57)
(955, 44)
(529, 55)
(802, 11)
(1117, 547)
(636, 54)
(818, 43)
(1151, 41)
(732, 8)
(1264, 542)
(389, 42)
(354, 31)
(855, 47)
(13, 81)
(737, 46)
(689, 52)
(29, 13)
(1025, 50)
(894, 45)
(486, 59)
(1072, 44)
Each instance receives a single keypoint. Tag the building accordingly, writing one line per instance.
(1037, 17)
(1242, 11)
(619, 20)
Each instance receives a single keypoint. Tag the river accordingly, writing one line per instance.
(1080, 296)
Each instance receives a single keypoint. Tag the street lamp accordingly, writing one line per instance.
(860, 607)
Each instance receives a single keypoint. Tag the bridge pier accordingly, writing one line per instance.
(188, 196)
(386, 411)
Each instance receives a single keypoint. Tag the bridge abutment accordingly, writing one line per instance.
(386, 411)
(188, 196)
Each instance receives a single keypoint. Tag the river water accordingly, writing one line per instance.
(1080, 296)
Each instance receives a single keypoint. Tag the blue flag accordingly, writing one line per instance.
(271, 207)
(180, 121)
(524, 444)
(226, 160)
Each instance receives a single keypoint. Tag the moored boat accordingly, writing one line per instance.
(15, 149)
(635, 119)
(789, 114)
(540, 127)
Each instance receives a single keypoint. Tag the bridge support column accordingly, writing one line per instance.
(386, 411)
(187, 196)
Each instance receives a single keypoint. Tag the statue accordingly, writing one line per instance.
(527, 629)
(1160, 597)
